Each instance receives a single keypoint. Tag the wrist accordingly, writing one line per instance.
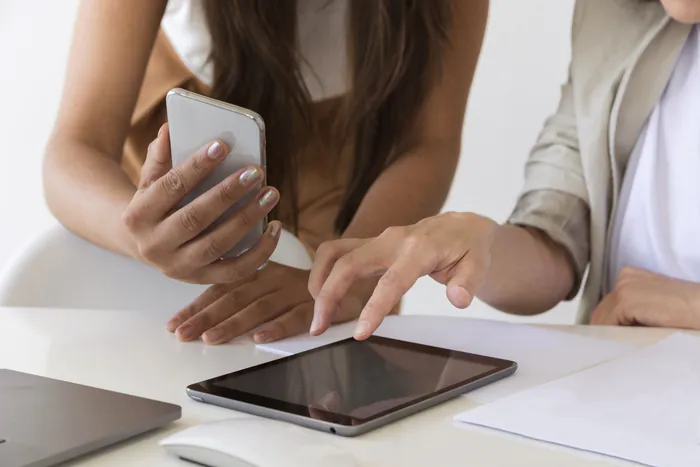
(127, 243)
(693, 301)
(496, 237)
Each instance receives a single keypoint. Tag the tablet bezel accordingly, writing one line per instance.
(245, 400)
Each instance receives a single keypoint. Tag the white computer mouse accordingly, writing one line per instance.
(256, 442)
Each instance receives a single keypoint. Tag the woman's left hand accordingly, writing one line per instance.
(276, 300)
(644, 298)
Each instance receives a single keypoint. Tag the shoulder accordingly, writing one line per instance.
(601, 22)
(473, 13)
(606, 35)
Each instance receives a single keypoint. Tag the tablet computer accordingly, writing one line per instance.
(351, 387)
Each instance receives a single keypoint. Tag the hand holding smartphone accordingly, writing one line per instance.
(200, 212)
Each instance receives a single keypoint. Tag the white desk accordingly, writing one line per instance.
(132, 353)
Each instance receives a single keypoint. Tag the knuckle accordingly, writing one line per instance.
(227, 193)
(245, 218)
(294, 323)
(393, 233)
(233, 274)
(221, 290)
(172, 272)
(214, 249)
(392, 279)
(413, 242)
(346, 264)
(460, 216)
(326, 249)
(264, 304)
(233, 298)
(173, 182)
(190, 219)
(627, 272)
(131, 219)
(198, 164)
(202, 321)
(148, 250)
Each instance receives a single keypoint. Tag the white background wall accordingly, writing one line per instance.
(524, 61)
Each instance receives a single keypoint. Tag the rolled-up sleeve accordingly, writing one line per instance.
(564, 218)
(554, 199)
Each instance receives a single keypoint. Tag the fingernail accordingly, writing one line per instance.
(315, 324)
(362, 329)
(216, 150)
(213, 335)
(274, 229)
(161, 132)
(171, 325)
(250, 176)
(268, 199)
(185, 332)
(262, 337)
(465, 296)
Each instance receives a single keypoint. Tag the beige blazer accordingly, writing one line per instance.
(623, 53)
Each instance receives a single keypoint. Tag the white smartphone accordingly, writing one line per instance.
(196, 120)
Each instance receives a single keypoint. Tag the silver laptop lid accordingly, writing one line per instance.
(44, 421)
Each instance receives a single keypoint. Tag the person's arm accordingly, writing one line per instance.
(526, 266)
(514, 268)
(416, 185)
(85, 187)
(542, 253)
(528, 274)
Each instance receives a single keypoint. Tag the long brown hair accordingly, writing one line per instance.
(395, 47)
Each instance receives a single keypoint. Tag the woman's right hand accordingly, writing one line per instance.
(453, 248)
(171, 239)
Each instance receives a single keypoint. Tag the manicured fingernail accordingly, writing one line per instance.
(362, 329)
(216, 150)
(262, 337)
(268, 199)
(274, 229)
(213, 335)
(185, 332)
(250, 176)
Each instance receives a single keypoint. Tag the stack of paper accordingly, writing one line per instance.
(542, 354)
(644, 407)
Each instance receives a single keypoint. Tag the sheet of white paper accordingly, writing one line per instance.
(644, 407)
(542, 354)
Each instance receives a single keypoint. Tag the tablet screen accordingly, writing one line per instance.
(351, 381)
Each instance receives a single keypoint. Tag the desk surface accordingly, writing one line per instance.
(132, 353)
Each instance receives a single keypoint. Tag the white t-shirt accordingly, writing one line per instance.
(657, 224)
(321, 37)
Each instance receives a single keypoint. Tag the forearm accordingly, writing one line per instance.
(87, 192)
(529, 273)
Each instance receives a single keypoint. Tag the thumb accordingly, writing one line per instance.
(465, 279)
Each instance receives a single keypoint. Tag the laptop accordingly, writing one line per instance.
(44, 422)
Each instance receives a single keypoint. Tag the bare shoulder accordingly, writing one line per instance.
(469, 19)
(112, 42)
